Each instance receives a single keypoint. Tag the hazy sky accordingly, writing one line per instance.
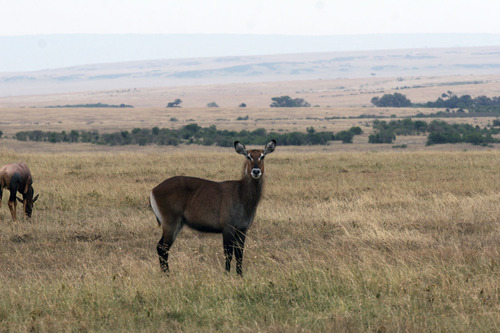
(290, 17)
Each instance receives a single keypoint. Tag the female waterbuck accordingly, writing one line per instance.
(222, 207)
(17, 177)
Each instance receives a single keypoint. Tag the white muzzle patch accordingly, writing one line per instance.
(256, 173)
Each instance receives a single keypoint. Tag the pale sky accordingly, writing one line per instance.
(288, 17)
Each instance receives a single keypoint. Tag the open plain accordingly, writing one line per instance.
(373, 241)
(348, 237)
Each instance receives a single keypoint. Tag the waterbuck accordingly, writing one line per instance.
(16, 177)
(226, 207)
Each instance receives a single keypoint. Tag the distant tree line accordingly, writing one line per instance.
(448, 101)
(451, 101)
(442, 132)
(50, 136)
(438, 131)
(189, 134)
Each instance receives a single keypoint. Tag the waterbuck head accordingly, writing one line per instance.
(255, 158)
(29, 201)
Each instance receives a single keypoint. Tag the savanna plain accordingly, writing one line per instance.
(344, 242)
(371, 239)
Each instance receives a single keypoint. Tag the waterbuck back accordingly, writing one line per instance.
(226, 207)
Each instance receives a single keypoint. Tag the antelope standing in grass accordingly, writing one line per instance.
(16, 177)
(226, 207)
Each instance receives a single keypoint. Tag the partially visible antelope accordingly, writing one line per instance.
(16, 177)
(226, 207)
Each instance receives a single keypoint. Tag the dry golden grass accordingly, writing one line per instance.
(388, 241)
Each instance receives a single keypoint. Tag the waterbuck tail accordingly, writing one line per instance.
(154, 206)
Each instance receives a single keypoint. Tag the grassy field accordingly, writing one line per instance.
(351, 241)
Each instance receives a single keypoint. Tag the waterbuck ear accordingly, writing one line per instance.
(270, 146)
(35, 198)
(240, 148)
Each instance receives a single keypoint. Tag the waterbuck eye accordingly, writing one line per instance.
(262, 157)
(249, 158)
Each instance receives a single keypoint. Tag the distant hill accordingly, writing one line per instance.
(31, 53)
(258, 68)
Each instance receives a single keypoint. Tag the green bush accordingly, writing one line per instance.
(442, 132)
(344, 136)
(396, 100)
(382, 136)
(288, 102)
(356, 130)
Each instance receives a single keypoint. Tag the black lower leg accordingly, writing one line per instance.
(228, 240)
(238, 251)
(229, 256)
(163, 254)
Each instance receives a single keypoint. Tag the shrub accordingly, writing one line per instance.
(396, 100)
(174, 104)
(356, 130)
(382, 136)
(344, 136)
(288, 102)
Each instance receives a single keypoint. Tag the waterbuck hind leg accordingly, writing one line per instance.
(162, 249)
(239, 244)
(171, 228)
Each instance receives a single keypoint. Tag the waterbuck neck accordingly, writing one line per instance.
(251, 192)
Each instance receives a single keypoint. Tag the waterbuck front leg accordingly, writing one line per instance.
(228, 241)
(234, 241)
(238, 250)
